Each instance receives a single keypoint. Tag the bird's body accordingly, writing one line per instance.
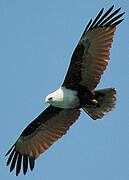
(88, 62)
(68, 98)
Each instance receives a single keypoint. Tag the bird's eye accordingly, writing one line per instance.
(50, 98)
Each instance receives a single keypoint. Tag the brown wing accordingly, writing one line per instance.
(47, 128)
(89, 59)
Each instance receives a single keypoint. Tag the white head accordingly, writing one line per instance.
(63, 98)
(55, 98)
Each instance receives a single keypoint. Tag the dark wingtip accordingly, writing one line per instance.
(15, 158)
(32, 163)
(87, 27)
(123, 13)
(10, 158)
(96, 19)
(112, 6)
(18, 167)
(14, 161)
(9, 150)
(116, 23)
(102, 10)
(119, 9)
(107, 19)
(17, 173)
(25, 164)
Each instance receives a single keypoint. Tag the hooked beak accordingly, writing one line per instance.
(46, 101)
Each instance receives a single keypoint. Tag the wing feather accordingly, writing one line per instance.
(40, 135)
(31, 162)
(90, 57)
(10, 157)
(18, 166)
(25, 164)
(109, 17)
(13, 161)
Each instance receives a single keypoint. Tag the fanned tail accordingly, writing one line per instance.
(104, 101)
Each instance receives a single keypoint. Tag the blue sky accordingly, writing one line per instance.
(37, 39)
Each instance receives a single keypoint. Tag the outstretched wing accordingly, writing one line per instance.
(88, 61)
(39, 135)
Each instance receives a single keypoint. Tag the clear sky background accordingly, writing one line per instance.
(37, 39)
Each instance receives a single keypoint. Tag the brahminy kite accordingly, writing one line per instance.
(88, 62)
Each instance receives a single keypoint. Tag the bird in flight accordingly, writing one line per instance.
(88, 62)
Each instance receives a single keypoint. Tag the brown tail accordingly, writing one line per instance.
(105, 100)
